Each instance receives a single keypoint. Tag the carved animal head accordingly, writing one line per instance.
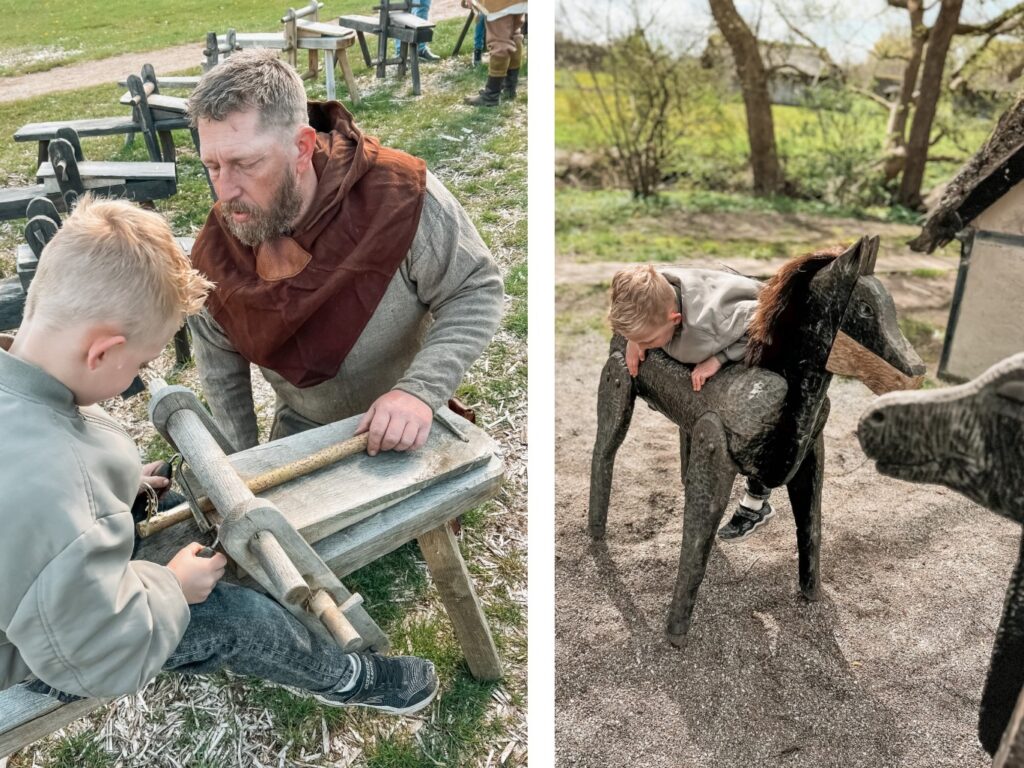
(829, 302)
(969, 438)
(870, 345)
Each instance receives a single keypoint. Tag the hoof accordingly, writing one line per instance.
(679, 641)
(811, 594)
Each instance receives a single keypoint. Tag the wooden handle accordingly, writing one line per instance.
(264, 481)
(341, 629)
(291, 587)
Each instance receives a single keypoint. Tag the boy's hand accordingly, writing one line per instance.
(704, 371)
(197, 575)
(634, 356)
(158, 483)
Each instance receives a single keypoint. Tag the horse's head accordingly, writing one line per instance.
(870, 345)
(969, 438)
(830, 305)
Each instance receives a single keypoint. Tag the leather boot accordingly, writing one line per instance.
(489, 95)
(509, 87)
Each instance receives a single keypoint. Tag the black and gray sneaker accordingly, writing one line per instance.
(745, 521)
(398, 685)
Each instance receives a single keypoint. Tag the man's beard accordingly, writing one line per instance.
(263, 225)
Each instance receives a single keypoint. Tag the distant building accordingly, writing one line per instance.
(794, 70)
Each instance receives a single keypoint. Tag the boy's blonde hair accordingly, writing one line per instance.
(113, 262)
(640, 298)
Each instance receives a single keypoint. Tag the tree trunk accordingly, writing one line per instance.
(931, 85)
(896, 131)
(764, 159)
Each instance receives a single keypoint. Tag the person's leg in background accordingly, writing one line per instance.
(479, 38)
(515, 59)
(500, 48)
(420, 8)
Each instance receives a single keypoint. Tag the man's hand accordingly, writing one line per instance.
(197, 575)
(397, 421)
(157, 482)
(704, 371)
(634, 356)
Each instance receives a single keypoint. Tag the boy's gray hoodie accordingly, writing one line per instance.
(717, 307)
(75, 610)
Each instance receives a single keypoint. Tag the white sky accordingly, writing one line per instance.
(847, 28)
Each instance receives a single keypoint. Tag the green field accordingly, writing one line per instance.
(42, 34)
(827, 154)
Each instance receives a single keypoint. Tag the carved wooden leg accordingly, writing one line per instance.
(805, 498)
(615, 398)
(1005, 672)
(684, 454)
(1011, 750)
(709, 479)
(448, 569)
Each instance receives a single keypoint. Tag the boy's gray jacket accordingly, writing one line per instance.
(75, 610)
(717, 307)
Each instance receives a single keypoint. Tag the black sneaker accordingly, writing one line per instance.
(399, 685)
(745, 521)
(426, 54)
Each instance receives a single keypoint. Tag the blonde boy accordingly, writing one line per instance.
(698, 317)
(75, 611)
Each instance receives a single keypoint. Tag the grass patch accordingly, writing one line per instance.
(928, 273)
(50, 33)
(80, 751)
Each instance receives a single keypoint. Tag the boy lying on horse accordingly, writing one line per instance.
(698, 317)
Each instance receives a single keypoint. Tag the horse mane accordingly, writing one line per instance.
(781, 305)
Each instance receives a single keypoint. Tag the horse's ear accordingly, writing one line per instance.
(847, 266)
(867, 263)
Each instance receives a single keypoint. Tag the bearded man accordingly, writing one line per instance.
(343, 269)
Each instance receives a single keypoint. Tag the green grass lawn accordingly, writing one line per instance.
(42, 34)
(481, 156)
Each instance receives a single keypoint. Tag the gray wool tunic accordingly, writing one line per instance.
(439, 312)
(716, 307)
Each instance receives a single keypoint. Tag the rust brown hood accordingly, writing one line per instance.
(297, 304)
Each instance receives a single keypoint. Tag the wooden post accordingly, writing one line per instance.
(448, 569)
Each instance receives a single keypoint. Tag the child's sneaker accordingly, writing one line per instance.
(399, 685)
(745, 521)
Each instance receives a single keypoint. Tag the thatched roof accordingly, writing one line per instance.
(996, 167)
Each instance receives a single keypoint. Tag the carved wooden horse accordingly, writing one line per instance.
(971, 439)
(764, 421)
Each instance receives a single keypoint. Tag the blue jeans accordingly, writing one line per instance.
(478, 34)
(421, 10)
(248, 633)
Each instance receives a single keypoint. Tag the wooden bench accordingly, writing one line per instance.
(394, 21)
(301, 30)
(66, 175)
(424, 516)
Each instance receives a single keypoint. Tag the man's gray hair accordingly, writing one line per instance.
(254, 79)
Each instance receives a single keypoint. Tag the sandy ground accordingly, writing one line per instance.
(886, 670)
(166, 61)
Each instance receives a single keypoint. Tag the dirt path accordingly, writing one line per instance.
(165, 61)
(885, 671)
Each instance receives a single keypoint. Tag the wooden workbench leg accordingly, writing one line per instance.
(414, 51)
(329, 73)
(350, 80)
(448, 569)
(363, 47)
